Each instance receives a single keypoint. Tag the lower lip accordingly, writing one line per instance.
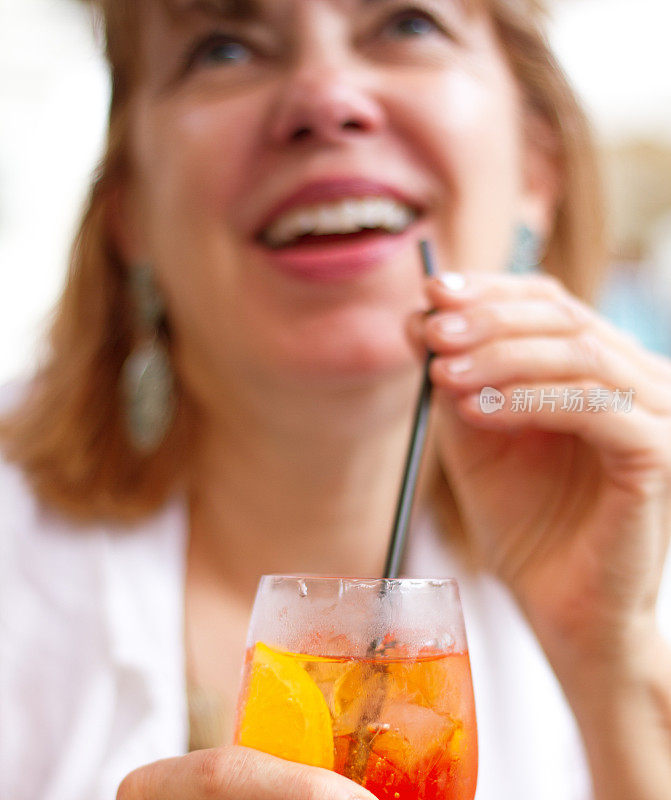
(337, 261)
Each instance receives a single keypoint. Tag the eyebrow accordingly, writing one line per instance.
(235, 9)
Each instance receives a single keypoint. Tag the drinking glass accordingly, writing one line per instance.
(370, 678)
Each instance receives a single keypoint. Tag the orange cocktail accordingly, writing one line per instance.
(395, 712)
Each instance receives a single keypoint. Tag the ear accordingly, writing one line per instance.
(542, 175)
(125, 226)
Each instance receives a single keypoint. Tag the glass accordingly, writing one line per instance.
(370, 678)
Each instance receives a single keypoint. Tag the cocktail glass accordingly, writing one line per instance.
(370, 678)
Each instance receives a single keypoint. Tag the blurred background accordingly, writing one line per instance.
(53, 104)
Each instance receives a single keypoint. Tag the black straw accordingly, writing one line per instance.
(413, 459)
(359, 750)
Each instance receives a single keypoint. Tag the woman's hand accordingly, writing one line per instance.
(571, 508)
(236, 773)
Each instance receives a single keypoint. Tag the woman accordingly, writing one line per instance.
(270, 433)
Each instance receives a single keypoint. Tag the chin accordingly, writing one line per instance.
(377, 358)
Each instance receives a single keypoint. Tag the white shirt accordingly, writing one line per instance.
(92, 678)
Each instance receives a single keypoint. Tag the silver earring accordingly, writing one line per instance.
(147, 381)
(527, 251)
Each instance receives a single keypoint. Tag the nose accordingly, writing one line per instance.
(326, 104)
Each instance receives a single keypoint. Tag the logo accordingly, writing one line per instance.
(491, 400)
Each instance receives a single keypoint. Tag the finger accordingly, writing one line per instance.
(454, 290)
(450, 331)
(236, 773)
(546, 359)
(628, 346)
(460, 292)
(613, 428)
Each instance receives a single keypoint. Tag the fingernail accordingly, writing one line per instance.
(459, 365)
(453, 281)
(452, 323)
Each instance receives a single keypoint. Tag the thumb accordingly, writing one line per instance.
(236, 773)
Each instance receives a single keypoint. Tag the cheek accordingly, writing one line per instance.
(193, 160)
(198, 157)
(472, 138)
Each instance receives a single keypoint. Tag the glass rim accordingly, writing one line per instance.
(356, 581)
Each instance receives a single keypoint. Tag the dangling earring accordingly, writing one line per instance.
(527, 251)
(147, 381)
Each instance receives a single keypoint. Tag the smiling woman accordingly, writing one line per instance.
(189, 54)
(230, 380)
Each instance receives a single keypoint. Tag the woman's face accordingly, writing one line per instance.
(378, 121)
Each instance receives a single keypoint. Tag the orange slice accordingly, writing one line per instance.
(348, 687)
(285, 714)
(441, 684)
(360, 688)
(458, 743)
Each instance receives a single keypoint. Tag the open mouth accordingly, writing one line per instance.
(342, 221)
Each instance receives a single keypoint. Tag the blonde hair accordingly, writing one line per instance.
(69, 434)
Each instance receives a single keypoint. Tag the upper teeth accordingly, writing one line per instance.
(344, 216)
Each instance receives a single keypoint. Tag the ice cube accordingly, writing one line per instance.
(416, 736)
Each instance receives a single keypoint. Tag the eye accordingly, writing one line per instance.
(413, 23)
(218, 49)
